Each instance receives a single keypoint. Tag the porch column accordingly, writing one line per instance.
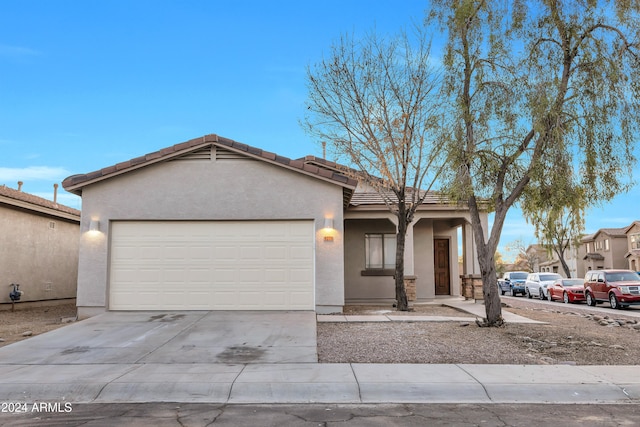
(409, 266)
(470, 263)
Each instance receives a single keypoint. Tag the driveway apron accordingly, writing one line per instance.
(174, 337)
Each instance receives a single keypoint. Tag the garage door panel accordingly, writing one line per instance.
(225, 253)
(201, 265)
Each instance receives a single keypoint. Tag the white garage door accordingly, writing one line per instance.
(212, 265)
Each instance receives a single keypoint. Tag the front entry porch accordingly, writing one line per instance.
(439, 250)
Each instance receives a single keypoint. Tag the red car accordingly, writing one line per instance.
(621, 288)
(567, 290)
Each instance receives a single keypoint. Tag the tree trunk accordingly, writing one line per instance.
(492, 303)
(565, 267)
(486, 252)
(401, 294)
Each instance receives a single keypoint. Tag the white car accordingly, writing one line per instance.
(537, 283)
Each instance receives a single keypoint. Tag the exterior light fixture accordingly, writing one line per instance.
(328, 223)
(328, 229)
(94, 225)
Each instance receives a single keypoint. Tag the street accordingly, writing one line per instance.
(604, 308)
(195, 415)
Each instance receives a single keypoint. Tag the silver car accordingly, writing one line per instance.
(537, 283)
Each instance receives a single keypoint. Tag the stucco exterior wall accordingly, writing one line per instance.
(633, 258)
(40, 253)
(424, 262)
(230, 189)
(359, 287)
(614, 257)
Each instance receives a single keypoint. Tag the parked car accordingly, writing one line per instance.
(513, 281)
(566, 290)
(537, 283)
(621, 288)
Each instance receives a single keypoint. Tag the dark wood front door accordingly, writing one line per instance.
(441, 261)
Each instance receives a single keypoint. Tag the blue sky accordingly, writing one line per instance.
(87, 84)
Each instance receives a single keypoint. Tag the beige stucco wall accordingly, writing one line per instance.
(40, 253)
(230, 189)
(359, 287)
(633, 260)
(613, 258)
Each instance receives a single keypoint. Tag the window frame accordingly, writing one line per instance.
(388, 266)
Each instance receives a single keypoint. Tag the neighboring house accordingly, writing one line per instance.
(605, 249)
(536, 255)
(573, 257)
(39, 250)
(633, 246)
(213, 224)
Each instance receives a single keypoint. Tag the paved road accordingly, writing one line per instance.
(604, 308)
(196, 415)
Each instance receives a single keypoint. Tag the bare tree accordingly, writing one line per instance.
(524, 260)
(536, 86)
(373, 101)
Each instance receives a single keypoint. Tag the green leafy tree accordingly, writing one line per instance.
(373, 101)
(537, 90)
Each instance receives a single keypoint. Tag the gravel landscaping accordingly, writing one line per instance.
(571, 336)
(27, 321)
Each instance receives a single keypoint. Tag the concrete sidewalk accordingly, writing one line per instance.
(319, 383)
(465, 307)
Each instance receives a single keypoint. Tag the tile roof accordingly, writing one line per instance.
(594, 256)
(361, 198)
(618, 232)
(75, 183)
(364, 197)
(30, 201)
(613, 232)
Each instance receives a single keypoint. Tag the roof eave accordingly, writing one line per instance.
(150, 159)
(39, 209)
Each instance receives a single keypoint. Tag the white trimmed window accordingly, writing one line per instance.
(635, 241)
(380, 251)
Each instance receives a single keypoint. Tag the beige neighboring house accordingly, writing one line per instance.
(536, 255)
(213, 224)
(605, 249)
(39, 250)
(573, 257)
(633, 246)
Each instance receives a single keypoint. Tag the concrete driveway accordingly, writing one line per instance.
(266, 358)
(174, 337)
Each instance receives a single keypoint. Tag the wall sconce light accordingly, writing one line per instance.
(328, 223)
(328, 229)
(94, 225)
